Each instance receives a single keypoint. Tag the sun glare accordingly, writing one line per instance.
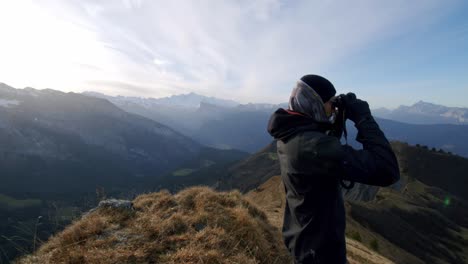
(44, 51)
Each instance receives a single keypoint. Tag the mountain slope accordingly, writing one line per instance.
(245, 130)
(421, 219)
(203, 169)
(55, 141)
(394, 226)
(417, 220)
(249, 173)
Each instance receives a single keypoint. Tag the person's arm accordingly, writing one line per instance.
(376, 163)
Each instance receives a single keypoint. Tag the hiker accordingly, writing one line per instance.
(315, 165)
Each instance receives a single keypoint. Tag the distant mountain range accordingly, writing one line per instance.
(418, 113)
(190, 100)
(214, 122)
(449, 138)
(425, 113)
(218, 123)
(243, 126)
(185, 113)
(52, 141)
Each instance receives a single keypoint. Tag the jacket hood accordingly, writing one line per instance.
(306, 101)
(284, 124)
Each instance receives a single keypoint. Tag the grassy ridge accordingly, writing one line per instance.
(196, 225)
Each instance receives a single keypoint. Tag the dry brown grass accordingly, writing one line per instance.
(196, 225)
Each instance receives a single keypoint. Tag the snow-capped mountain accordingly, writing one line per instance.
(190, 100)
(425, 113)
(209, 120)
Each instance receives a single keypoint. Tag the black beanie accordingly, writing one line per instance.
(321, 86)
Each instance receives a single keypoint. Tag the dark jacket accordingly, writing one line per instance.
(312, 166)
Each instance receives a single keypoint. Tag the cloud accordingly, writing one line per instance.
(160, 62)
(244, 50)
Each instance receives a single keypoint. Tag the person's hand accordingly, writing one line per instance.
(356, 109)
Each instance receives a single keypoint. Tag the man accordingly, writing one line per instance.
(314, 165)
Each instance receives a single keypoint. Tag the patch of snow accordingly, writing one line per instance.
(8, 103)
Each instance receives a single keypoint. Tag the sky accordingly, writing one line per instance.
(387, 52)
